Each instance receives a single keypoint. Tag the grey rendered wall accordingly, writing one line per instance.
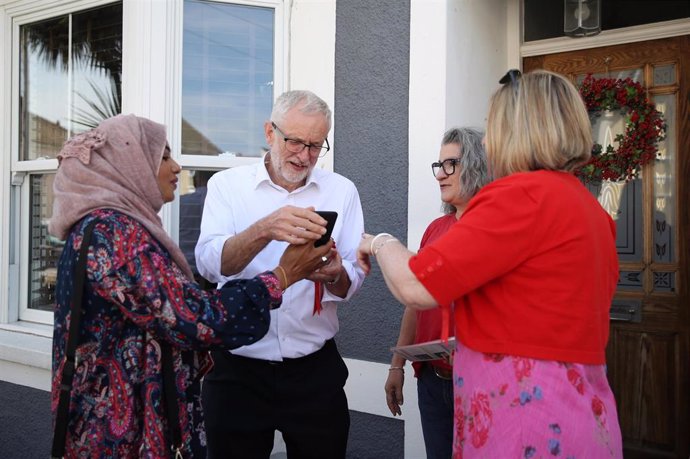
(372, 47)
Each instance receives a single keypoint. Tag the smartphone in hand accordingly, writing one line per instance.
(330, 217)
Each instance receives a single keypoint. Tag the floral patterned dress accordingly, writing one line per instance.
(539, 408)
(135, 298)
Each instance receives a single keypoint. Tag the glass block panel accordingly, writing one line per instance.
(68, 83)
(623, 202)
(227, 78)
(44, 249)
(192, 195)
(664, 75)
(664, 282)
(606, 125)
(630, 281)
(633, 74)
(664, 222)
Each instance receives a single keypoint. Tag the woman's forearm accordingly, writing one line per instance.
(393, 259)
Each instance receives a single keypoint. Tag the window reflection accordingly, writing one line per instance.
(44, 249)
(68, 83)
(227, 78)
(192, 197)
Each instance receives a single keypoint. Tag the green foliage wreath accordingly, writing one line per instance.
(644, 129)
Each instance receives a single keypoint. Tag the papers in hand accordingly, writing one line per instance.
(430, 350)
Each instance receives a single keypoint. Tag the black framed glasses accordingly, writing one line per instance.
(297, 146)
(511, 77)
(448, 166)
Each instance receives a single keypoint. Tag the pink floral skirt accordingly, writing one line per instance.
(516, 407)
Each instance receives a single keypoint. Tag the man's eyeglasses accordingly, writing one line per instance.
(297, 146)
(448, 166)
(512, 76)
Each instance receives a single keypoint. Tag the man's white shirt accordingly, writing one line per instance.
(239, 197)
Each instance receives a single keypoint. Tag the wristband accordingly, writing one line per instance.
(285, 280)
(373, 240)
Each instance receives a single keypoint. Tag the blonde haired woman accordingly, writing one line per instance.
(531, 287)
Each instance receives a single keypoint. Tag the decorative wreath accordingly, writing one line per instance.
(644, 129)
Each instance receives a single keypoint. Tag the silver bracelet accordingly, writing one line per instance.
(373, 240)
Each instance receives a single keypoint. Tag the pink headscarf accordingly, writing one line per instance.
(114, 166)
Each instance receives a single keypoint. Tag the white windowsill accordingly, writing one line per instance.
(26, 354)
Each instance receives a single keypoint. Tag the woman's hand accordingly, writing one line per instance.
(300, 261)
(364, 252)
(394, 390)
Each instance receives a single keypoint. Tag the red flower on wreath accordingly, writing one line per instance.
(644, 129)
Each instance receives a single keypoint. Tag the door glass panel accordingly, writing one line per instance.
(633, 74)
(227, 78)
(68, 83)
(623, 202)
(664, 220)
(664, 282)
(664, 75)
(630, 281)
(44, 249)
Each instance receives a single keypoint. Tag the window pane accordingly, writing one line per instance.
(44, 249)
(68, 84)
(192, 196)
(97, 74)
(227, 78)
(544, 18)
(43, 83)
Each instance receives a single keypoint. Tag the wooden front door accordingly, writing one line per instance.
(648, 354)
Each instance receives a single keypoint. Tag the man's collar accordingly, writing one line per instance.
(262, 176)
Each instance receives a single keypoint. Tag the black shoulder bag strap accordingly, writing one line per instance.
(62, 414)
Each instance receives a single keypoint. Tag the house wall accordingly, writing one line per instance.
(397, 73)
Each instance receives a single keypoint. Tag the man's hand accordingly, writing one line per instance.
(294, 225)
(330, 271)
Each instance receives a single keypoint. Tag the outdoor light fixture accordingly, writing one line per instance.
(582, 18)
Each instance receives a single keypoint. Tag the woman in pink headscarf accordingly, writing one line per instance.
(139, 298)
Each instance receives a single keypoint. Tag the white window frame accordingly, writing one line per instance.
(152, 54)
(279, 71)
(18, 305)
(144, 94)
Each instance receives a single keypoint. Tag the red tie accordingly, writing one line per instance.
(318, 293)
(318, 286)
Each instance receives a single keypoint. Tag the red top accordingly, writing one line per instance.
(429, 320)
(532, 267)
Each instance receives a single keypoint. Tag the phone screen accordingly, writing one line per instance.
(330, 217)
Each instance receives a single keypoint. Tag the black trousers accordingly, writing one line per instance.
(246, 400)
